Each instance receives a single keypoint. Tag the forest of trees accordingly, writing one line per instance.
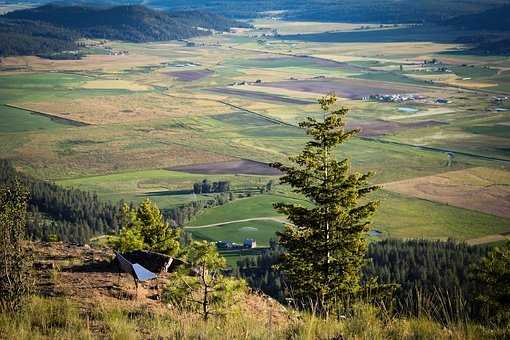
(430, 270)
(56, 213)
(497, 19)
(52, 28)
(205, 187)
(178, 216)
(380, 11)
(65, 214)
(24, 37)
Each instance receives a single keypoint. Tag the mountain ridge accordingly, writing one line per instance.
(54, 28)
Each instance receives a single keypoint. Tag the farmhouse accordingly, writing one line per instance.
(250, 243)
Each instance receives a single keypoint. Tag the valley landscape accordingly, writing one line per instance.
(136, 120)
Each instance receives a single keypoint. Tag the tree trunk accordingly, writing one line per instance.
(205, 303)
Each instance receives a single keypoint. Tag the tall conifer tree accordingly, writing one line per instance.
(325, 244)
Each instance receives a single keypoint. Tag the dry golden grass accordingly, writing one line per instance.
(378, 51)
(453, 80)
(114, 85)
(96, 150)
(94, 304)
(102, 63)
(141, 107)
(487, 239)
(483, 189)
(267, 75)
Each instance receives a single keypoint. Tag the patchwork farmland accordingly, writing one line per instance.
(151, 122)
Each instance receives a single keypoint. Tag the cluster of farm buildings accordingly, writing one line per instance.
(248, 243)
(400, 98)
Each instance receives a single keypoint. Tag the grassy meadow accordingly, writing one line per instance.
(50, 317)
(117, 124)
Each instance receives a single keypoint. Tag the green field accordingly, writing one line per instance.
(16, 120)
(167, 188)
(398, 216)
(143, 121)
(262, 231)
(404, 217)
(258, 206)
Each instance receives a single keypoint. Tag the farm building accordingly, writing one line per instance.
(250, 243)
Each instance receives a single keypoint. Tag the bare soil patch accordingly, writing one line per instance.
(90, 277)
(190, 75)
(260, 96)
(348, 88)
(483, 189)
(242, 166)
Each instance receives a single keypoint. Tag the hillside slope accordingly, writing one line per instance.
(80, 295)
(497, 19)
(339, 10)
(49, 29)
(130, 23)
(26, 37)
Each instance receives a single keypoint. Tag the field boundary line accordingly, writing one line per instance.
(275, 219)
(268, 118)
(49, 115)
(436, 149)
(436, 86)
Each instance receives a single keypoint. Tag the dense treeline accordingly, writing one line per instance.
(205, 187)
(24, 37)
(65, 214)
(208, 20)
(428, 272)
(497, 19)
(52, 28)
(180, 215)
(259, 273)
(76, 216)
(380, 11)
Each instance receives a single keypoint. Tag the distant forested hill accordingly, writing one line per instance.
(492, 47)
(488, 31)
(383, 11)
(497, 19)
(25, 37)
(52, 28)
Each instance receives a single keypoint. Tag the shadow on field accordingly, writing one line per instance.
(167, 193)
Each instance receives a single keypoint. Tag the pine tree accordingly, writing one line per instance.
(201, 285)
(15, 263)
(326, 243)
(146, 229)
(492, 276)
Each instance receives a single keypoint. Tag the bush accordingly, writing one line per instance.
(146, 229)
